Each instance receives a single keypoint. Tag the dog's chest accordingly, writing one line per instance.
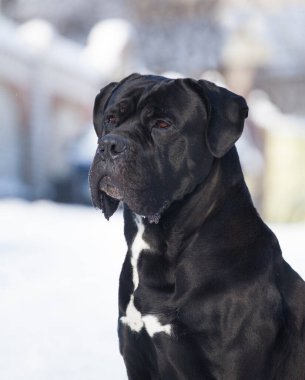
(133, 318)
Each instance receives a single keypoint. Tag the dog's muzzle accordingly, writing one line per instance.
(112, 147)
(107, 185)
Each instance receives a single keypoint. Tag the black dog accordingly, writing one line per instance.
(204, 290)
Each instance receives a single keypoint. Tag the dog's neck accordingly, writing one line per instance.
(224, 184)
(222, 193)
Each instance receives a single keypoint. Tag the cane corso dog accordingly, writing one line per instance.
(204, 291)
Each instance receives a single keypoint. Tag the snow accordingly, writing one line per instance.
(106, 53)
(59, 270)
(268, 116)
(37, 33)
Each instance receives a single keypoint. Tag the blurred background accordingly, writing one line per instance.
(59, 319)
(55, 57)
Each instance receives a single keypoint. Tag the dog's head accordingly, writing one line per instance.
(157, 138)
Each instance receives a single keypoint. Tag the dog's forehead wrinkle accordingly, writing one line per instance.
(126, 94)
(146, 96)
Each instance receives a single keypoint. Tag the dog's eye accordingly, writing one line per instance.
(123, 108)
(161, 124)
(111, 119)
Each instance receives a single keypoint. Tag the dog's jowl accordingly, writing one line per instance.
(204, 290)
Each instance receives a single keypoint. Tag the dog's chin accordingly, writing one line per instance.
(107, 186)
(109, 189)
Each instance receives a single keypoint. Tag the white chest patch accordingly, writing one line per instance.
(134, 319)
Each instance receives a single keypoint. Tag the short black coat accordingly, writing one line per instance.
(211, 272)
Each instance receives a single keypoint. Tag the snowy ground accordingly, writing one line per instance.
(59, 269)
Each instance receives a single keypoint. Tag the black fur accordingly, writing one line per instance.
(214, 271)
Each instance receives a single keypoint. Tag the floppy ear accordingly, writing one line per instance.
(227, 112)
(99, 106)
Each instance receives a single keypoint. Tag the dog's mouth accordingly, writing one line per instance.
(108, 190)
(107, 185)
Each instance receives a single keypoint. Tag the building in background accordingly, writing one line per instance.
(47, 88)
(55, 57)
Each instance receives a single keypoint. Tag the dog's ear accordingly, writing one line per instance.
(99, 106)
(226, 112)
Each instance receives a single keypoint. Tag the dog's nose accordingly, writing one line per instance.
(112, 146)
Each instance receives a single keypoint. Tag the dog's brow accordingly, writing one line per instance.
(147, 93)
